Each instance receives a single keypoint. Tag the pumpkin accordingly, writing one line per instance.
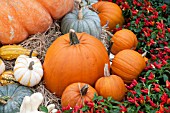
(57, 8)
(123, 39)
(7, 77)
(83, 20)
(10, 52)
(73, 57)
(2, 66)
(20, 18)
(128, 64)
(110, 12)
(28, 70)
(12, 96)
(110, 86)
(76, 94)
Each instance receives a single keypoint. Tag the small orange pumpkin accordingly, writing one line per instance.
(123, 39)
(110, 12)
(110, 86)
(128, 64)
(76, 94)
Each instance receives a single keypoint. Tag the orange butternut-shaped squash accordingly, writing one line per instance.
(21, 18)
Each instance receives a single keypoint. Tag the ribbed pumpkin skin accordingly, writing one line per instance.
(57, 8)
(65, 64)
(12, 30)
(16, 93)
(109, 11)
(21, 18)
(128, 64)
(123, 39)
(111, 86)
(72, 95)
(89, 24)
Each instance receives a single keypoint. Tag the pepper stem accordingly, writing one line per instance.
(106, 70)
(73, 37)
(30, 67)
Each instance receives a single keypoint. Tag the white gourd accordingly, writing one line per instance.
(31, 104)
(2, 66)
(28, 70)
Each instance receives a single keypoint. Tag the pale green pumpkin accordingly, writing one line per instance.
(14, 93)
(83, 20)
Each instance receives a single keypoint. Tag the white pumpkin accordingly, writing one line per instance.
(28, 70)
(2, 66)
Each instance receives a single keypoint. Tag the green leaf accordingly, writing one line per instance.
(43, 109)
(85, 108)
(165, 77)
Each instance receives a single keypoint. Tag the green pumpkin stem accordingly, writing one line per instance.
(4, 99)
(30, 67)
(73, 37)
(106, 70)
(30, 55)
(84, 90)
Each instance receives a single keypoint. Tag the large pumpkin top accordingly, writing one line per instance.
(78, 60)
(57, 8)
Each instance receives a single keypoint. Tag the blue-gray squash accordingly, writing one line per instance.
(83, 20)
(14, 95)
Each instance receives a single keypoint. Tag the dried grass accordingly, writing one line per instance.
(41, 42)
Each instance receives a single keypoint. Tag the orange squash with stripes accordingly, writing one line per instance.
(21, 18)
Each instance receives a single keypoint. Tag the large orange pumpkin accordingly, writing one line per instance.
(109, 12)
(57, 8)
(20, 18)
(123, 39)
(128, 64)
(73, 57)
(76, 94)
(110, 86)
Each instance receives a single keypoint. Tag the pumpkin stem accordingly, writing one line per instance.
(80, 14)
(30, 67)
(106, 70)
(4, 99)
(144, 54)
(84, 90)
(31, 52)
(73, 37)
(91, 8)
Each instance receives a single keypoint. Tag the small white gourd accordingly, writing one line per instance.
(28, 70)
